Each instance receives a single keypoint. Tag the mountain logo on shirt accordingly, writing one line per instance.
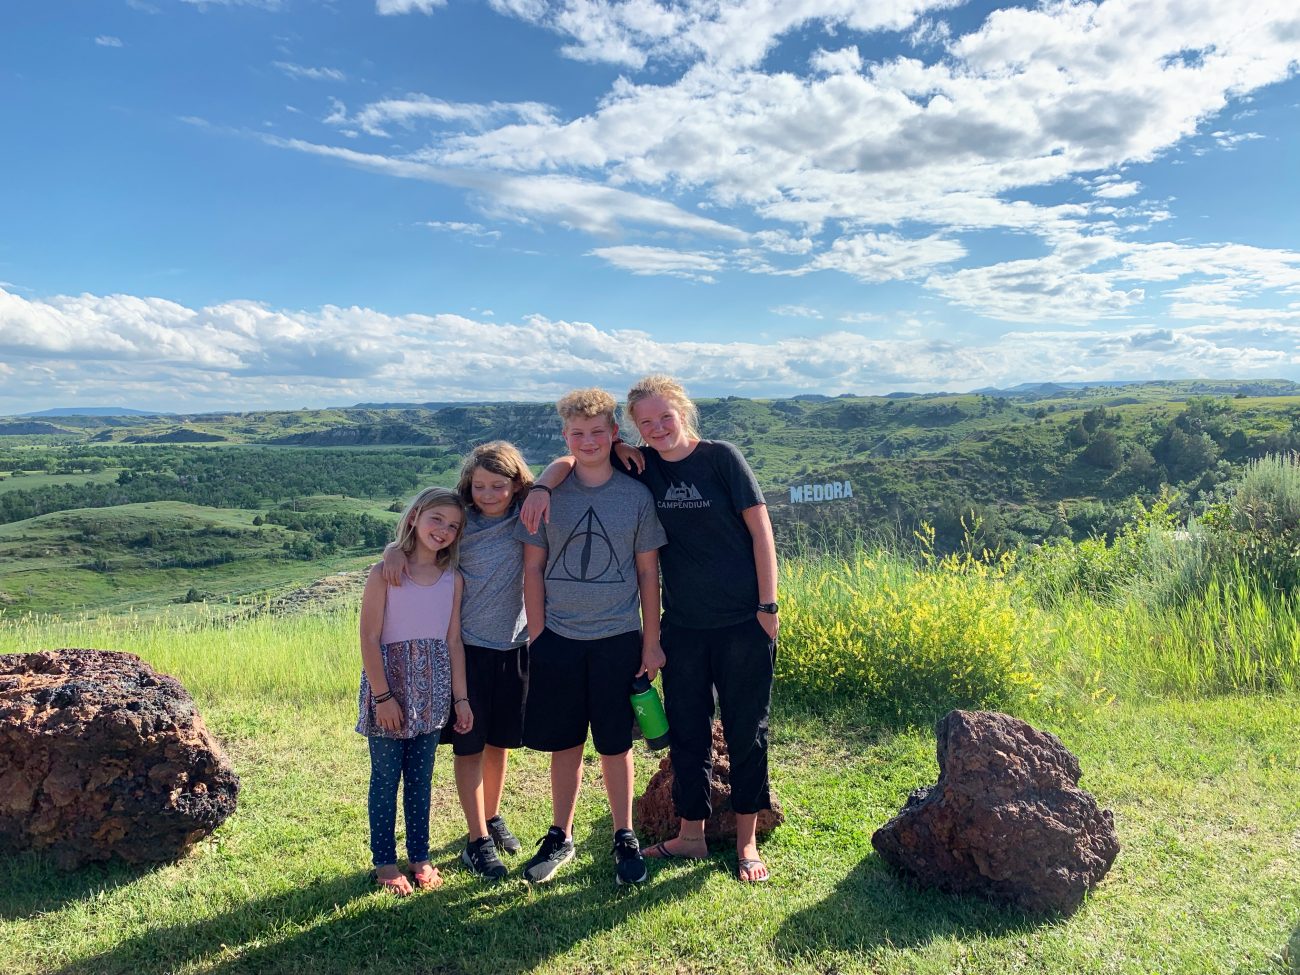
(682, 496)
(587, 555)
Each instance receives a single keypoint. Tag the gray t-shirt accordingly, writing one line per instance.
(591, 545)
(492, 562)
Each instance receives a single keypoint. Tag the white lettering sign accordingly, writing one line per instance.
(830, 491)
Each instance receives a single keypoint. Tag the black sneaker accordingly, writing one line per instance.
(629, 864)
(481, 858)
(553, 851)
(506, 841)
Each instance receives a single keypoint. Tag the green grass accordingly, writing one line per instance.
(1206, 795)
(27, 481)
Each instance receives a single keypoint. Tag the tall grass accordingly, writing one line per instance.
(1233, 636)
(303, 657)
(908, 640)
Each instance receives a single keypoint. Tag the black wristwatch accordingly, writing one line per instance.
(768, 608)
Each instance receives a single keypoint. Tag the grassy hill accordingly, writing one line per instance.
(156, 554)
(1030, 465)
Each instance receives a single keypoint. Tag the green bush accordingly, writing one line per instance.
(909, 642)
(1257, 526)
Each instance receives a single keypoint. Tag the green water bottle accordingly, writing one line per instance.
(649, 712)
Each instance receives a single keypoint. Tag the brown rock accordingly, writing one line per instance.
(100, 756)
(1005, 820)
(656, 819)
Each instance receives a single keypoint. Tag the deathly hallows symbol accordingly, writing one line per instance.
(588, 554)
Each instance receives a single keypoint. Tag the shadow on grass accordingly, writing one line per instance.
(1291, 953)
(872, 908)
(30, 883)
(343, 926)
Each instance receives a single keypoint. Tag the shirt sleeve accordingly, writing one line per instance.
(650, 534)
(741, 483)
(537, 538)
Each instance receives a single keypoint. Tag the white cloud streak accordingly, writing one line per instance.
(70, 349)
(299, 72)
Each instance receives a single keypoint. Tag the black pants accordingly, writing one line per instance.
(739, 661)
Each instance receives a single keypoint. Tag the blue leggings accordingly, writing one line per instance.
(411, 760)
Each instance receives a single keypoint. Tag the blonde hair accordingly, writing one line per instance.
(434, 497)
(499, 457)
(587, 404)
(673, 393)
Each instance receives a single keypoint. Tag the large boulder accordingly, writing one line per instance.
(1006, 819)
(656, 820)
(100, 756)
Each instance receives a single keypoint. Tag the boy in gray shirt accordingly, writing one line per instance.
(591, 593)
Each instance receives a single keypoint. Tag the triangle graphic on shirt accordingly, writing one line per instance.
(587, 555)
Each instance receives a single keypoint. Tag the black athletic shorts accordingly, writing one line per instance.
(576, 683)
(496, 683)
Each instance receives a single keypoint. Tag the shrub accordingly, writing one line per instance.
(1258, 525)
(908, 642)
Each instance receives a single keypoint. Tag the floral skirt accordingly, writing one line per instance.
(419, 675)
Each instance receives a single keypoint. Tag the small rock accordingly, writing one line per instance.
(656, 819)
(1005, 820)
(100, 756)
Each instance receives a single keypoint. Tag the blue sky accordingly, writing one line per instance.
(240, 204)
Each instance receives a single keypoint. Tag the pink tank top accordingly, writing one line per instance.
(415, 612)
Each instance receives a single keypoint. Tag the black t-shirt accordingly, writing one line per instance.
(709, 577)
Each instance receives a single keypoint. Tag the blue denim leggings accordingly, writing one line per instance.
(411, 760)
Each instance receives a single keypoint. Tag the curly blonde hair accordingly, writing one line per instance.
(434, 497)
(500, 457)
(673, 394)
(586, 404)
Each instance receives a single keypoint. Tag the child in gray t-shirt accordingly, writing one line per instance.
(586, 575)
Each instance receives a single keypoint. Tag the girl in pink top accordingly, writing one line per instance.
(413, 675)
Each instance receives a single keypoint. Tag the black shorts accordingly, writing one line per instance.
(576, 683)
(496, 683)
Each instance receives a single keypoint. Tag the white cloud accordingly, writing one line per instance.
(885, 257)
(874, 169)
(796, 311)
(1230, 140)
(1117, 191)
(463, 228)
(264, 4)
(568, 202)
(643, 260)
(734, 33)
(376, 117)
(247, 355)
(108, 40)
(407, 6)
(297, 71)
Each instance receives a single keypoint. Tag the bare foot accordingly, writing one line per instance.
(680, 848)
(426, 876)
(392, 880)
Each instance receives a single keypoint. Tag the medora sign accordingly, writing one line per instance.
(830, 491)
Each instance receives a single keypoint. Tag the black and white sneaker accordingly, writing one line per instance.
(553, 851)
(506, 841)
(481, 857)
(629, 864)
